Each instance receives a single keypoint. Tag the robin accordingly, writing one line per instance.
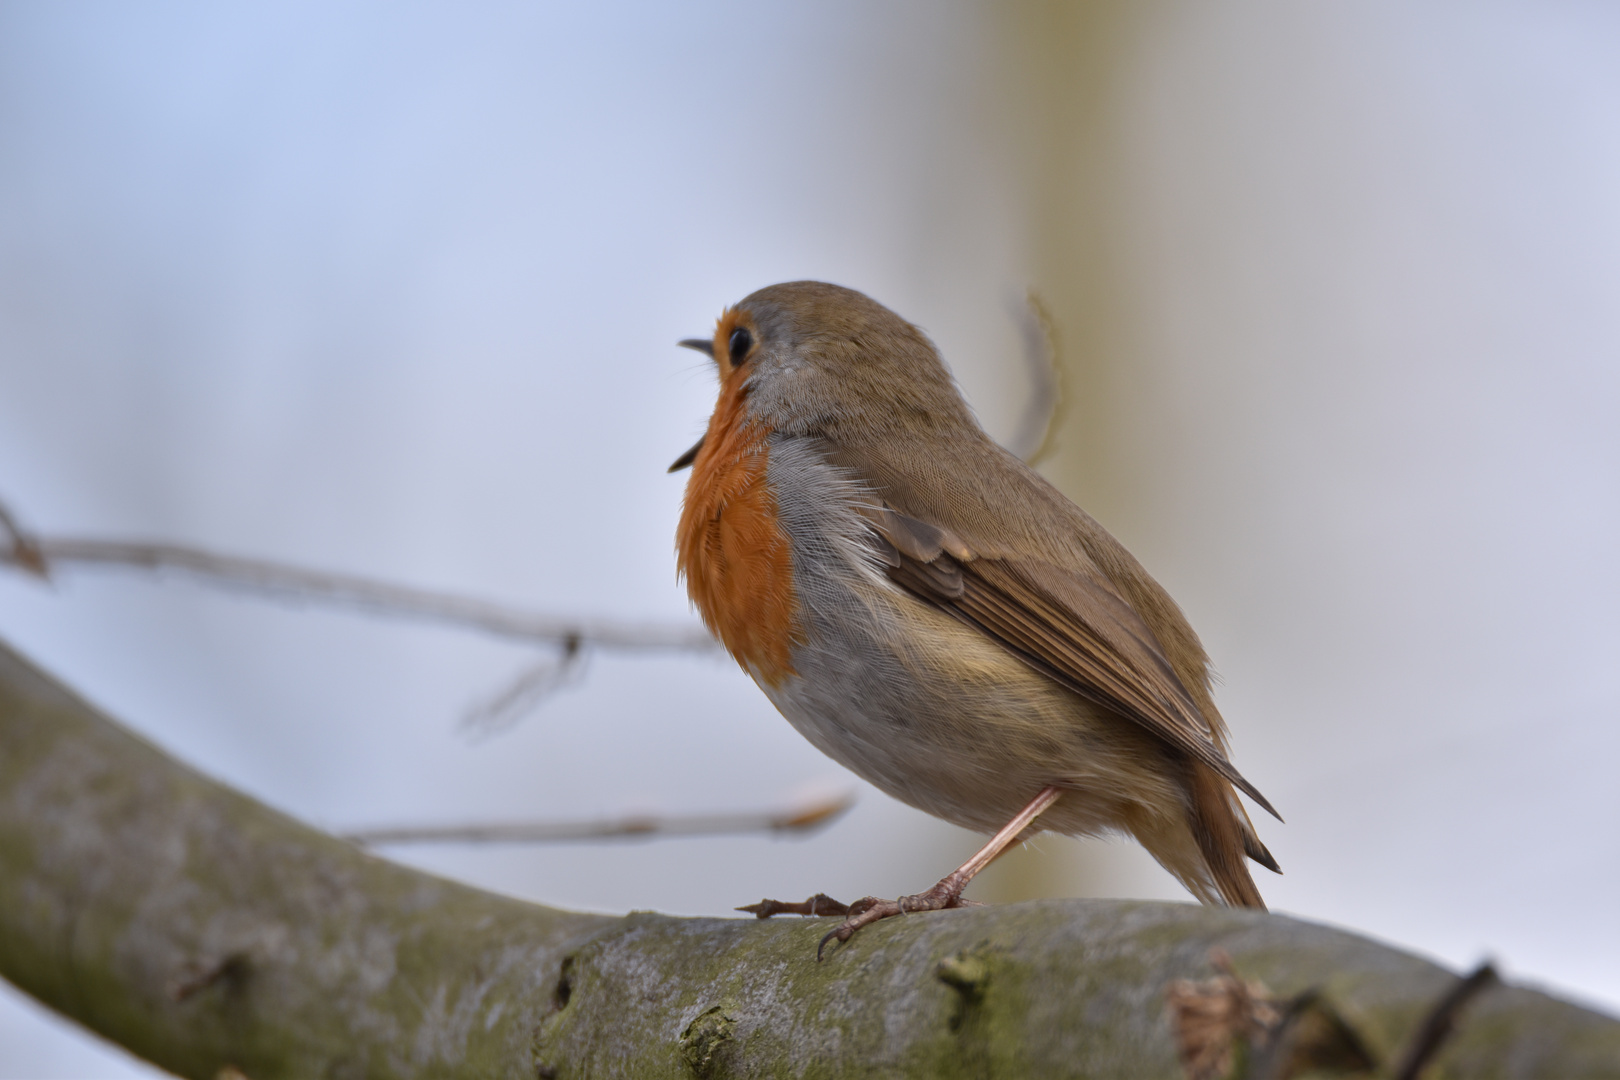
(936, 617)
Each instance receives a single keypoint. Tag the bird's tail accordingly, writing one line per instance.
(1225, 836)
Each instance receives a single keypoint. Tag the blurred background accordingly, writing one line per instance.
(393, 289)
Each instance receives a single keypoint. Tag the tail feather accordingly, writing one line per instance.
(1219, 826)
(1254, 849)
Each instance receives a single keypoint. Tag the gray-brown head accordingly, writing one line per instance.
(822, 359)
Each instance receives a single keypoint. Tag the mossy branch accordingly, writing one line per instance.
(206, 932)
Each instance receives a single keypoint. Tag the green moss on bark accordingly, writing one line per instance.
(201, 929)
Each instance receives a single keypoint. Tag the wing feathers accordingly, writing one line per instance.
(913, 538)
(1073, 627)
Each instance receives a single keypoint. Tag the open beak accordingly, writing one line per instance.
(687, 458)
(702, 345)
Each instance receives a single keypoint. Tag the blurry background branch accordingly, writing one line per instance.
(571, 638)
(23, 550)
(1036, 436)
(44, 555)
(806, 817)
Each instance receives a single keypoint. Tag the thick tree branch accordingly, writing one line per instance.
(204, 931)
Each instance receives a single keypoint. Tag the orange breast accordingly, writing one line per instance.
(730, 547)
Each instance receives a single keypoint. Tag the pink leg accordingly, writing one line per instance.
(948, 892)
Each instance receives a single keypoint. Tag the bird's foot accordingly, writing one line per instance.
(864, 912)
(819, 904)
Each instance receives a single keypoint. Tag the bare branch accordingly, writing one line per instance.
(535, 683)
(1438, 1026)
(1037, 432)
(38, 555)
(802, 819)
(24, 553)
(218, 938)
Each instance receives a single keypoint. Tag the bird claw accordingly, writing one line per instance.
(819, 904)
(871, 909)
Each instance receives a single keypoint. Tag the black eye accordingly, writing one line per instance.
(741, 342)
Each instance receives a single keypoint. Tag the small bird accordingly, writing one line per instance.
(936, 617)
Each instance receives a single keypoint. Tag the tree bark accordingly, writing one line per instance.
(202, 930)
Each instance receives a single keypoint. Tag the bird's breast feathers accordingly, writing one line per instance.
(731, 548)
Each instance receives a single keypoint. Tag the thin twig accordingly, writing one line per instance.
(1442, 1019)
(40, 554)
(535, 683)
(801, 819)
(1043, 416)
(24, 553)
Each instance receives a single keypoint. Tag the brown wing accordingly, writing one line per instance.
(1071, 626)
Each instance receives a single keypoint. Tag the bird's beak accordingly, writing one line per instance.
(687, 458)
(705, 346)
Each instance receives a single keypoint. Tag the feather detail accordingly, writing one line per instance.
(730, 548)
(1219, 830)
(1074, 628)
